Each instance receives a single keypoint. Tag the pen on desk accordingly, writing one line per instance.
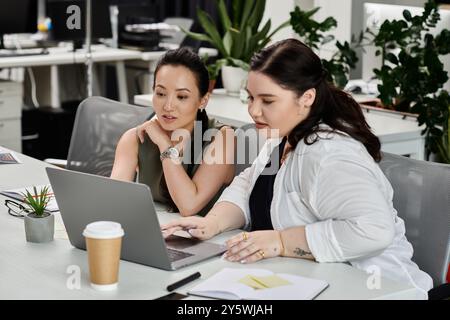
(184, 281)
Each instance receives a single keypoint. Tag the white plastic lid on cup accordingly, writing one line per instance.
(103, 230)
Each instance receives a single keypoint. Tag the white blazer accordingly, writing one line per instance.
(338, 192)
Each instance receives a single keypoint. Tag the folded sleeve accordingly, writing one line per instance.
(238, 193)
(356, 218)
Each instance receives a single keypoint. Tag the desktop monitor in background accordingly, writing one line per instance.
(17, 16)
(101, 23)
(137, 13)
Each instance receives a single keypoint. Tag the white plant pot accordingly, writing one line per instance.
(233, 79)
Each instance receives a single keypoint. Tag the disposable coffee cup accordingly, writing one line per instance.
(103, 244)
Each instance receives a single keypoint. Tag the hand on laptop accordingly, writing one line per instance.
(198, 227)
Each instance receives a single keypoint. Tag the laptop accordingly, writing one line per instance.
(84, 198)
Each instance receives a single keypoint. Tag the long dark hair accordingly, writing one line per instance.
(294, 66)
(186, 58)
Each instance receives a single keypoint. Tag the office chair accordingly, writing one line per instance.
(98, 126)
(422, 200)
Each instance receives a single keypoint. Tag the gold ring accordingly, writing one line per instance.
(244, 236)
(261, 253)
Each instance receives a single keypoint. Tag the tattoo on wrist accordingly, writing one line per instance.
(301, 252)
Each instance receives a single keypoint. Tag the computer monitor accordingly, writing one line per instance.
(17, 16)
(58, 13)
(136, 13)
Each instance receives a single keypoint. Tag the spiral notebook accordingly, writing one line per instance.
(258, 284)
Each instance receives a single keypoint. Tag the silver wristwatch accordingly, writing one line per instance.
(171, 153)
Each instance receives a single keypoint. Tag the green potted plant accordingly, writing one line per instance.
(213, 72)
(237, 39)
(412, 75)
(313, 34)
(39, 224)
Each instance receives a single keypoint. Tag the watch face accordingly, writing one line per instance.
(174, 153)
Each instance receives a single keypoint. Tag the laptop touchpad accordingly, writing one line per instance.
(177, 242)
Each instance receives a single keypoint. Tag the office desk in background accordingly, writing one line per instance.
(42, 271)
(397, 135)
(46, 68)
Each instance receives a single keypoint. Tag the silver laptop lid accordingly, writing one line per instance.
(84, 198)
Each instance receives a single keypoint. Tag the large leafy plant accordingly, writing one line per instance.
(412, 75)
(239, 35)
(313, 34)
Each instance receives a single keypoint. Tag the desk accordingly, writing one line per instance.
(39, 271)
(396, 135)
(153, 56)
(60, 56)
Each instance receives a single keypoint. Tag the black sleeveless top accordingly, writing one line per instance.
(262, 193)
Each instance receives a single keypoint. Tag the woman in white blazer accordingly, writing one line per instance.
(327, 199)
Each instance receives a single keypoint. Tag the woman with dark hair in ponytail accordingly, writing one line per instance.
(168, 150)
(328, 199)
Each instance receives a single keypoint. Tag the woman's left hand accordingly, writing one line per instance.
(249, 247)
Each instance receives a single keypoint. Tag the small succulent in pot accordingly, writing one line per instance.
(39, 224)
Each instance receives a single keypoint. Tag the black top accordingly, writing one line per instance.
(262, 193)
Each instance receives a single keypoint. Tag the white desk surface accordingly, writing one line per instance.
(232, 111)
(60, 56)
(39, 271)
(155, 55)
(151, 55)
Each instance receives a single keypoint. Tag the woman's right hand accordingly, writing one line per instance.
(155, 132)
(198, 227)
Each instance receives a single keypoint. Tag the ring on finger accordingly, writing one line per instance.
(244, 236)
(261, 253)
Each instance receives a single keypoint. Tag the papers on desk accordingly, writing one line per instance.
(17, 194)
(245, 283)
(8, 157)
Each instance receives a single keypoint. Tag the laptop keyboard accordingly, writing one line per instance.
(175, 255)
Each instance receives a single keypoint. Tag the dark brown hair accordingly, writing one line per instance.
(294, 66)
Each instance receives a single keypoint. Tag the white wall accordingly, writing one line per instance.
(340, 10)
(278, 12)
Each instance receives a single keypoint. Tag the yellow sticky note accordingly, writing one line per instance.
(249, 281)
(267, 282)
